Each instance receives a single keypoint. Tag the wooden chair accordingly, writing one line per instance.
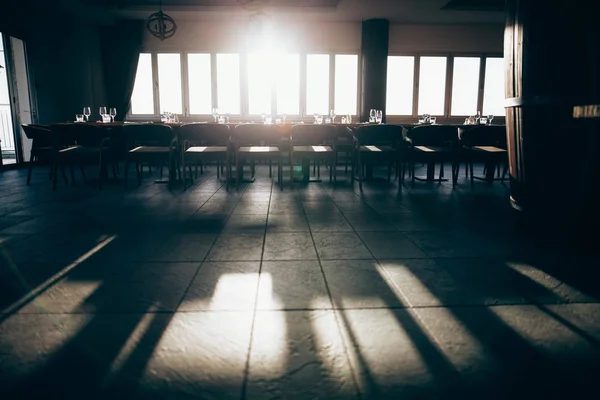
(153, 144)
(203, 143)
(309, 142)
(375, 144)
(486, 144)
(89, 144)
(253, 142)
(42, 148)
(433, 144)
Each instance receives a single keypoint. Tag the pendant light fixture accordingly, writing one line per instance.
(161, 25)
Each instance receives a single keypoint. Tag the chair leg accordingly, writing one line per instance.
(389, 172)
(471, 172)
(126, 166)
(184, 180)
(139, 173)
(360, 172)
(237, 173)
(31, 161)
(55, 175)
(270, 169)
(412, 169)
(82, 172)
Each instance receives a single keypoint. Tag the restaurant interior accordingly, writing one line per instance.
(299, 199)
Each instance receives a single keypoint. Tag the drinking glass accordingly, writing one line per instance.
(379, 116)
(483, 121)
(113, 113)
(372, 115)
(327, 120)
(316, 115)
(268, 120)
(78, 117)
(432, 120)
(349, 119)
(332, 115)
(215, 113)
(87, 111)
(227, 115)
(278, 121)
(102, 112)
(221, 119)
(343, 120)
(319, 119)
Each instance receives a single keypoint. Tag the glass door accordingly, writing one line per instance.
(16, 101)
(7, 135)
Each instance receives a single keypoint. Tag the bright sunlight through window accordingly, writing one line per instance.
(493, 91)
(317, 84)
(199, 82)
(432, 85)
(228, 83)
(465, 85)
(400, 80)
(142, 98)
(169, 83)
(288, 84)
(260, 83)
(346, 84)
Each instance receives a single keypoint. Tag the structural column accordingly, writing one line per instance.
(552, 56)
(373, 66)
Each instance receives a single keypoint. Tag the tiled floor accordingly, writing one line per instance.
(307, 293)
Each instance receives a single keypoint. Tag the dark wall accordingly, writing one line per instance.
(64, 58)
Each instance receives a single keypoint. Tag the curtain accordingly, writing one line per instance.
(121, 46)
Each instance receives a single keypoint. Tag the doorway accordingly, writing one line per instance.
(16, 101)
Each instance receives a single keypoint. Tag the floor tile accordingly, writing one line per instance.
(298, 354)
(289, 246)
(237, 247)
(286, 285)
(333, 246)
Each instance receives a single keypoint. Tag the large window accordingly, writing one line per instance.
(493, 91)
(169, 83)
(260, 83)
(465, 85)
(400, 83)
(432, 85)
(288, 84)
(317, 84)
(142, 98)
(228, 83)
(199, 81)
(346, 84)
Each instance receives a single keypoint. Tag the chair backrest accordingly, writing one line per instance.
(148, 135)
(257, 134)
(311, 134)
(485, 136)
(77, 133)
(434, 135)
(204, 134)
(379, 135)
(40, 134)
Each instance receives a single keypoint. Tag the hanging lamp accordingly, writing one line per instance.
(161, 25)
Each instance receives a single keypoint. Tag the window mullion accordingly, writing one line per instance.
(415, 110)
(155, 86)
(482, 65)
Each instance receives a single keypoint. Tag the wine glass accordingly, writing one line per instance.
(102, 112)
(264, 117)
(215, 113)
(87, 111)
(113, 113)
(332, 114)
(372, 115)
(227, 117)
(490, 118)
(316, 115)
(284, 115)
(379, 116)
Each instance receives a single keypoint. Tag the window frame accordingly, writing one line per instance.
(447, 117)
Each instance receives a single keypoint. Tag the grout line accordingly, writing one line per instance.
(335, 314)
(244, 389)
(266, 310)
